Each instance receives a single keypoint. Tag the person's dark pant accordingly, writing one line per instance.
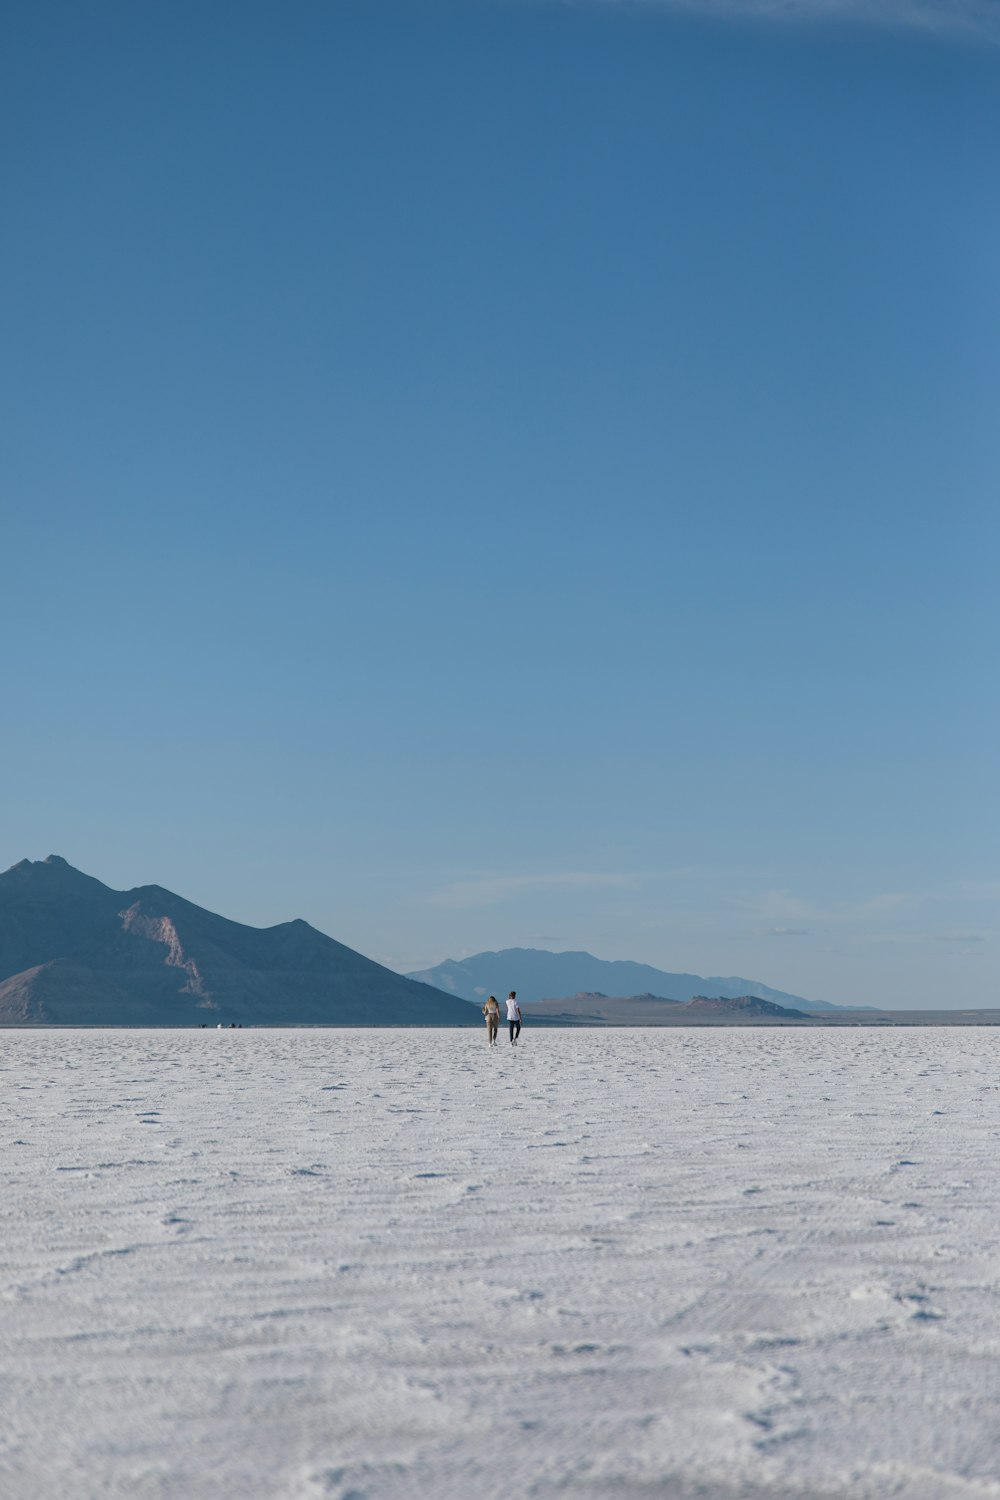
(515, 1030)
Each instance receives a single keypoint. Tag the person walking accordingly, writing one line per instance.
(513, 1017)
(491, 1010)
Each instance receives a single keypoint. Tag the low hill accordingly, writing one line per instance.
(76, 952)
(595, 1009)
(536, 973)
(741, 1005)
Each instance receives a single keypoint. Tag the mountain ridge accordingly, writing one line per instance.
(539, 973)
(75, 951)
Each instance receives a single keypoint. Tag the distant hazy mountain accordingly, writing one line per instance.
(535, 974)
(73, 951)
(654, 1010)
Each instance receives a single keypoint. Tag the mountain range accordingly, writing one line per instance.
(76, 952)
(537, 974)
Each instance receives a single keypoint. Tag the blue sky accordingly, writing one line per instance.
(522, 473)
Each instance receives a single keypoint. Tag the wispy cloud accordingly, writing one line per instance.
(787, 911)
(489, 890)
(960, 937)
(975, 19)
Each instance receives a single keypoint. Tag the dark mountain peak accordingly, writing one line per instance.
(54, 860)
(45, 869)
(157, 901)
(51, 862)
(153, 893)
(50, 874)
(74, 951)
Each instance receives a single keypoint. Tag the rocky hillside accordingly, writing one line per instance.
(75, 952)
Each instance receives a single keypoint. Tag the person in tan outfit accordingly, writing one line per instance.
(491, 1011)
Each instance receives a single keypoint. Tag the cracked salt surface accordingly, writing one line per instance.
(388, 1265)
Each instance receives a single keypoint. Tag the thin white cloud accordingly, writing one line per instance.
(489, 890)
(960, 937)
(787, 911)
(975, 19)
(785, 932)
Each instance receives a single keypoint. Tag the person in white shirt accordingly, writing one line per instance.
(513, 1018)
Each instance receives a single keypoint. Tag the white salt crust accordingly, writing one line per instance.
(389, 1265)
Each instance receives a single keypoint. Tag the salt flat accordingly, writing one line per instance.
(388, 1264)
